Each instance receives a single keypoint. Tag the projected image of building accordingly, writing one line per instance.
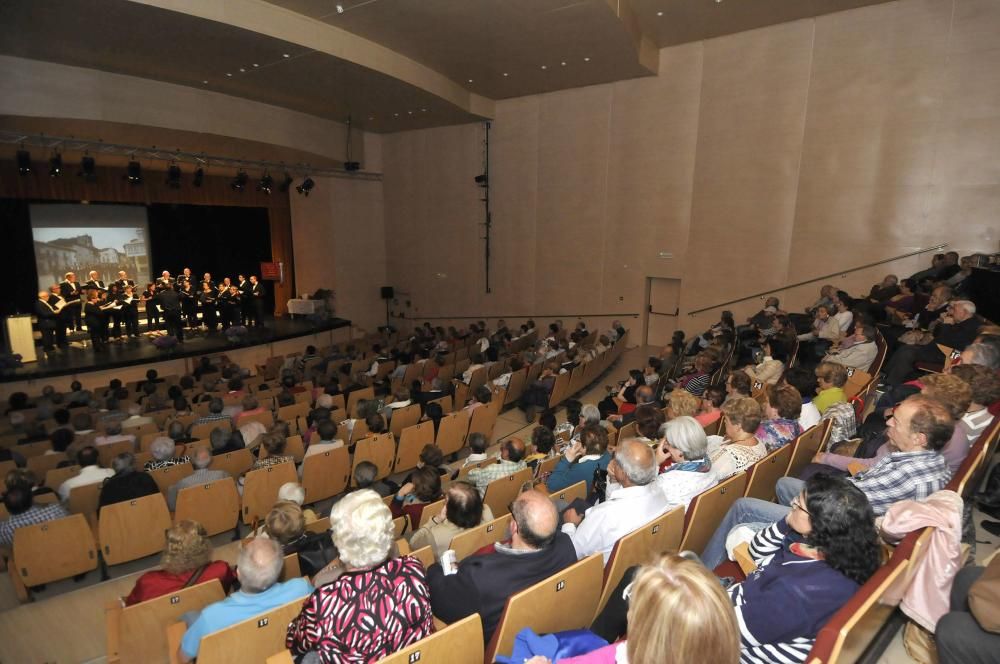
(79, 254)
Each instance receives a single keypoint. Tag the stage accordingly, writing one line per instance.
(79, 359)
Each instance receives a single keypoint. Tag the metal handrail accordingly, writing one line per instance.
(822, 278)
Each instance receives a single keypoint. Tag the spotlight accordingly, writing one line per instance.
(23, 162)
(482, 180)
(133, 173)
(199, 177)
(351, 166)
(306, 186)
(266, 183)
(239, 182)
(285, 184)
(55, 165)
(174, 176)
(340, 8)
(87, 168)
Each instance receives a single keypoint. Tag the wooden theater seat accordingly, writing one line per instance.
(805, 447)
(500, 493)
(326, 474)
(50, 551)
(215, 505)
(469, 541)
(459, 643)
(235, 463)
(764, 475)
(260, 489)
(412, 440)
(452, 432)
(379, 449)
(133, 529)
(171, 475)
(571, 493)
(707, 510)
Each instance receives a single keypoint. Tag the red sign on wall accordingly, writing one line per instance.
(270, 271)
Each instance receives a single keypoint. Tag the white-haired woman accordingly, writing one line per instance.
(374, 604)
(162, 450)
(683, 441)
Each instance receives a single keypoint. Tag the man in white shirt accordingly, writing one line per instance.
(326, 431)
(90, 472)
(635, 504)
(861, 353)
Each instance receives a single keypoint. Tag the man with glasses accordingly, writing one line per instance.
(919, 428)
(959, 327)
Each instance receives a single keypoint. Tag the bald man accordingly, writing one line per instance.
(536, 551)
(512, 453)
(635, 504)
(49, 322)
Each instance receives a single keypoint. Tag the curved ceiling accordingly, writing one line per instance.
(390, 64)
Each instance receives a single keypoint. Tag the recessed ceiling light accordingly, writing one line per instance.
(285, 55)
(396, 114)
(242, 70)
(229, 75)
(544, 67)
(409, 112)
(371, 117)
(506, 74)
(470, 80)
(659, 13)
(423, 110)
(563, 64)
(204, 82)
(586, 59)
(256, 65)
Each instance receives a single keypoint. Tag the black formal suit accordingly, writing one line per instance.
(209, 315)
(246, 305)
(95, 284)
(96, 325)
(122, 283)
(49, 324)
(151, 297)
(70, 291)
(129, 314)
(255, 294)
(189, 304)
(170, 303)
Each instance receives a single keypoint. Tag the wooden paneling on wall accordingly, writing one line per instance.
(111, 187)
(757, 160)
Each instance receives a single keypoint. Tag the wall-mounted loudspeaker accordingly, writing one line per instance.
(387, 293)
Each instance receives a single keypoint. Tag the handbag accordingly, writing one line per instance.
(984, 597)
(193, 579)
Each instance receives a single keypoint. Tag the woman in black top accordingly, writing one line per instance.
(207, 300)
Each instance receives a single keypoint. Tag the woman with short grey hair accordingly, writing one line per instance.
(162, 450)
(683, 442)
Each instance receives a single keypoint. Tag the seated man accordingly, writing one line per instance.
(127, 483)
(113, 434)
(919, 428)
(258, 568)
(958, 328)
(23, 512)
(511, 460)
(483, 583)
(203, 474)
(463, 509)
(637, 502)
(90, 472)
(861, 353)
(326, 432)
(215, 414)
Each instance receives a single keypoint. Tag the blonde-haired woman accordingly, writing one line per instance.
(187, 560)
(371, 605)
(740, 449)
(677, 613)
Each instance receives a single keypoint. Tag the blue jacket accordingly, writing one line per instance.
(567, 474)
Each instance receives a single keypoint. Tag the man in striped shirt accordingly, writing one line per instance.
(23, 512)
(918, 429)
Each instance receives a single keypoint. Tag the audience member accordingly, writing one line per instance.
(203, 474)
(740, 448)
(830, 381)
(512, 454)
(19, 501)
(582, 459)
(463, 509)
(90, 472)
(684, 443)
(163, 449)
(782, 407)
(127, 483)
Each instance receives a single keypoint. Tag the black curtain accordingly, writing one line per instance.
(222, 239)
(17, 258)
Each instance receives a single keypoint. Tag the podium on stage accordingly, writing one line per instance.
(21, 338)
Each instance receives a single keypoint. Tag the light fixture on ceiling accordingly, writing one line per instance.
(470, 80)
(255, 65)
(423, 110)
(285, 184)
(659, 13)
(199, 177)
(265, 183)
(340, 8)
(545, 67)
(586, 59)
(242, 70)
(239, 182)
(23, 162)
(174, 176)
(88, 168)
(395, 115)
(229, 75)
(506, 74)
(306, 186)
(285, 55)
(133, 172)
(563, 63)
(55, 165)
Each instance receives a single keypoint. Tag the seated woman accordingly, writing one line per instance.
(771, 367)
(697, 380)
(581, 459)
(286, 524)
(681, 403)
(536, 395)
(740, 449)
(424, 487)
(830, 381)
(902, 305)
(623, 401)
(648, 420)
(782, 408)
(370, 605)
(274, 444)
(809, 565)
(187, 560)
(684, 443)
(709, 410)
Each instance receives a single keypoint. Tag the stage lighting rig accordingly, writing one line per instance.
(266, 183)
(352, 166)
(199, 177)
(133, 173)
(174, 176)
(88, 168)
(239, 182)
(306, 186)
(23, 162)
(55, 165)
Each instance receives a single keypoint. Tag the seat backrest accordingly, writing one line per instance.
(29, 450)
(660, 535)
(140, 630)
(484, 418)
(108, 452)
(566, 600)
(39, 465)
(500, 493)
(265, 417)
(133, 529)
(560, 390)
(290, 568)
(235, 463)
(378, 448)
(707, 510)
(515, 388)
(325, 474)
(459, 643)
(292, 412)
(571, 493)
(215, 505)
(357, 395)
(250, 641)
(764, 475)
(260, 489)
(469, 541)
(805, 447)
(627, 431)
(205, 429)
(430, 511)
(171, 475)
(547, 466)
(453, 431)
(54, 550)
(56, 476)
(404, 417)
(424, 554)
(84, 499)
(411, 441)
(445, 403)
(969, 474)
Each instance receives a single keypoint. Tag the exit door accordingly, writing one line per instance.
(662, 302)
